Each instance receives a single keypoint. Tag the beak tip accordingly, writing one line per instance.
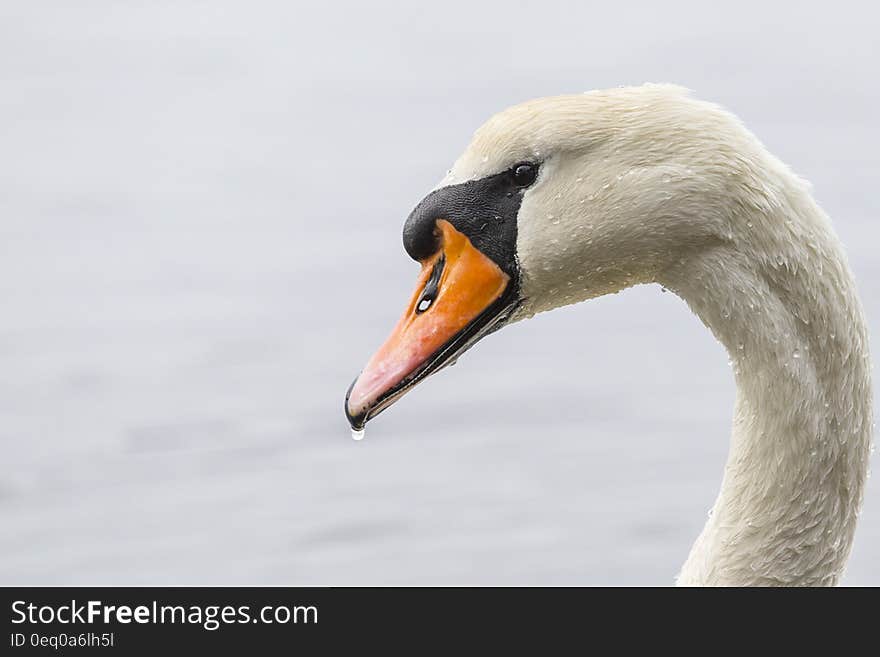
(358, 420)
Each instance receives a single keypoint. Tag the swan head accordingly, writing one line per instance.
(555, 201)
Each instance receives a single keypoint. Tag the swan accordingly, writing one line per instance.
(559, 200)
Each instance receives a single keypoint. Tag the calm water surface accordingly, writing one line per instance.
(200, 220)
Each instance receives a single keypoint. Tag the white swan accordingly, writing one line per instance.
(563, 199)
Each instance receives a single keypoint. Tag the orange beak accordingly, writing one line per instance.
(454, 304)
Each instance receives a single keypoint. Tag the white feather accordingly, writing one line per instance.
(647, 184)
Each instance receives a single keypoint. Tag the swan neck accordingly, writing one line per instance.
(785, 308)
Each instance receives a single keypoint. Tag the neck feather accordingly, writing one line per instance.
(780, 297)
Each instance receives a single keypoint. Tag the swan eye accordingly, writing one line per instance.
(524, 174)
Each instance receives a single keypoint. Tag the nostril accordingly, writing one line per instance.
(432, 287)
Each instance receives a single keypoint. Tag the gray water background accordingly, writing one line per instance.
(200, 212)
